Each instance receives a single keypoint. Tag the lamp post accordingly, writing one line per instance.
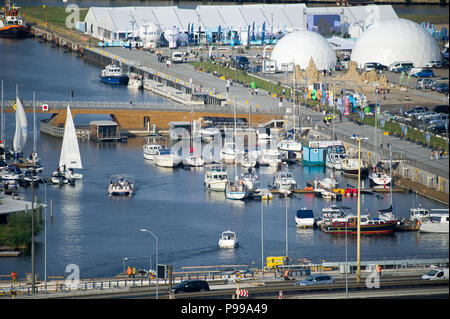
(358, 233)
(156, 253)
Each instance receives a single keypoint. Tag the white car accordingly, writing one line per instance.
(427, 115)
(436, 274)
(433, 64)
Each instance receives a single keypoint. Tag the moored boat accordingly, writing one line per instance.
(11, 23)
(164, 158)
(304, 218)
(368, 225)
(438, 223)
(112, 74)
(216, 177)
(150, 151)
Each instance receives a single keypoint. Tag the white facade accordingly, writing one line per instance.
(300, 46)
(389, 41)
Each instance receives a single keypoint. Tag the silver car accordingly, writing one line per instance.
(316, 280)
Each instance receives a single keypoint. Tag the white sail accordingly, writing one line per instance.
(20, 137)
(70, 153)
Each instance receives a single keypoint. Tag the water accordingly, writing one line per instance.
(97, 232)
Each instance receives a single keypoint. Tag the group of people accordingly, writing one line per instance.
(436, 154)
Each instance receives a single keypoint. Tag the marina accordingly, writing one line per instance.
(183, 199)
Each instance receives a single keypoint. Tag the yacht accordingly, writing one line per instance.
(112, 74)
(328, 182)
(228, 240)
(236, 190)
(291, 145)
(228, 153)
(284, 181)
(250, 159)
(269, 157)
(350, 167)
(250, 180)
(331, 212)
(379, 179)
(164, 158)
(438, 223)
(150, 151)
(121, 185)
(304, 218)
(216, 178)
(134, 81)
(334, 157)
(419, 214)
(368, 225)
(193, 161)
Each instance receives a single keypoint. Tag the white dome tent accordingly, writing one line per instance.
(171, 35)
(149, 33)
(389, 41)
(300, 46)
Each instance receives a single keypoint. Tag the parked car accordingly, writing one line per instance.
(424, 73)
(400, 66)
(424, 83)
(177, 57)
(402, 69)
(443, 64)
(426, 115)
(241, 62)
(442, 88)
(378, 67)
(191, 286)
(316, 280)
(436, 274)
(444, 108)
(416, 111)
(433, 64)
(438, 129)
(437, 119)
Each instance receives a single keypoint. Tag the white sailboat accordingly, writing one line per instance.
(20, 136)
(70, 158)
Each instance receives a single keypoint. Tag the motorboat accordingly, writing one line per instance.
(112, 74)
(12, 173)
(236, 190)
(121, 185)
(438, 223)
(291, 145)
(328, 182)
(419, 214)
(10, 187)
(249, 159)
(304, 218)
(334, 157)
(368, 225)
(150, 151)
(164, 158)
(379, 179)
(29, 177)
(193, 161)
(135, 81)
(284, 180)
(216, 177)
(269, 157)
(228, 240)
(350, 167)
(228, 153)
(59, 178)
(330, 213)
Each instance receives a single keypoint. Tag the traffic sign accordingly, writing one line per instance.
(242, 292)
(44, 107)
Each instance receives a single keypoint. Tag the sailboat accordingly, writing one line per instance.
(20, 136)
(70, 153)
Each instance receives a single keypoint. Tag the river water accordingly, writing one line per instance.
(97, 232)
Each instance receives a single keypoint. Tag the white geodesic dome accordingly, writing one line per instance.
(395, 40)
(149, 33)
(300, 46)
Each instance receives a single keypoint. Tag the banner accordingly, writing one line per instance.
(401, 77)
(347, 108)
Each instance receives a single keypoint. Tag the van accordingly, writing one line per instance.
(397, 65)
(177, 57)
(191, 286)
(436, 274)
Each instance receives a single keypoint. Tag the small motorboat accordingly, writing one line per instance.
(305, 218)
(150, 151)
(135, 81)
(379, 179)
(228, 240)
(112, 74)
(216, 177)
(193, 161)
(121, 185)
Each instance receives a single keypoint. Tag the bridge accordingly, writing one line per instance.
(141, 116)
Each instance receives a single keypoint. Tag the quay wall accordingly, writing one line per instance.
(411, 175)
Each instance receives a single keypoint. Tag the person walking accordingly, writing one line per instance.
(134, 271)
(228, 85)
(129, 272)
(379, 271)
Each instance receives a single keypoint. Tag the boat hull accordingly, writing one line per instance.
(373, 229)
(114, 80)
(223, 243)
(14, 32)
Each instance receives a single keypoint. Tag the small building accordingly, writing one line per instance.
(313, 155)
(104, 131)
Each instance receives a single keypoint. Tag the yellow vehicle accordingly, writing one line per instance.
(273, 262)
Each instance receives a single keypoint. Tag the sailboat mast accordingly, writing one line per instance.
(390, 171)
(2, 121)
(234, 142)
(34, 122)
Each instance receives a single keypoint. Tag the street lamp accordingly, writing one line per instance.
(358, 236)
(156, 238)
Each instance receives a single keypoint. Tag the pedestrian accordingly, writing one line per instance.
(256, 91)
(432, 154)
(134, 271)
(381, 146)
(379, 271)
(340, 117)
(228, 85)
(129, 272)
(436, 154)
(441, 154)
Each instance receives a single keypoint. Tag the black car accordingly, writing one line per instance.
(191, 286)
(241, 62)
(438, 129)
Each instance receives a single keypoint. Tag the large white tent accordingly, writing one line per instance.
(389, 41)
(115, 23)
(300, 46)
